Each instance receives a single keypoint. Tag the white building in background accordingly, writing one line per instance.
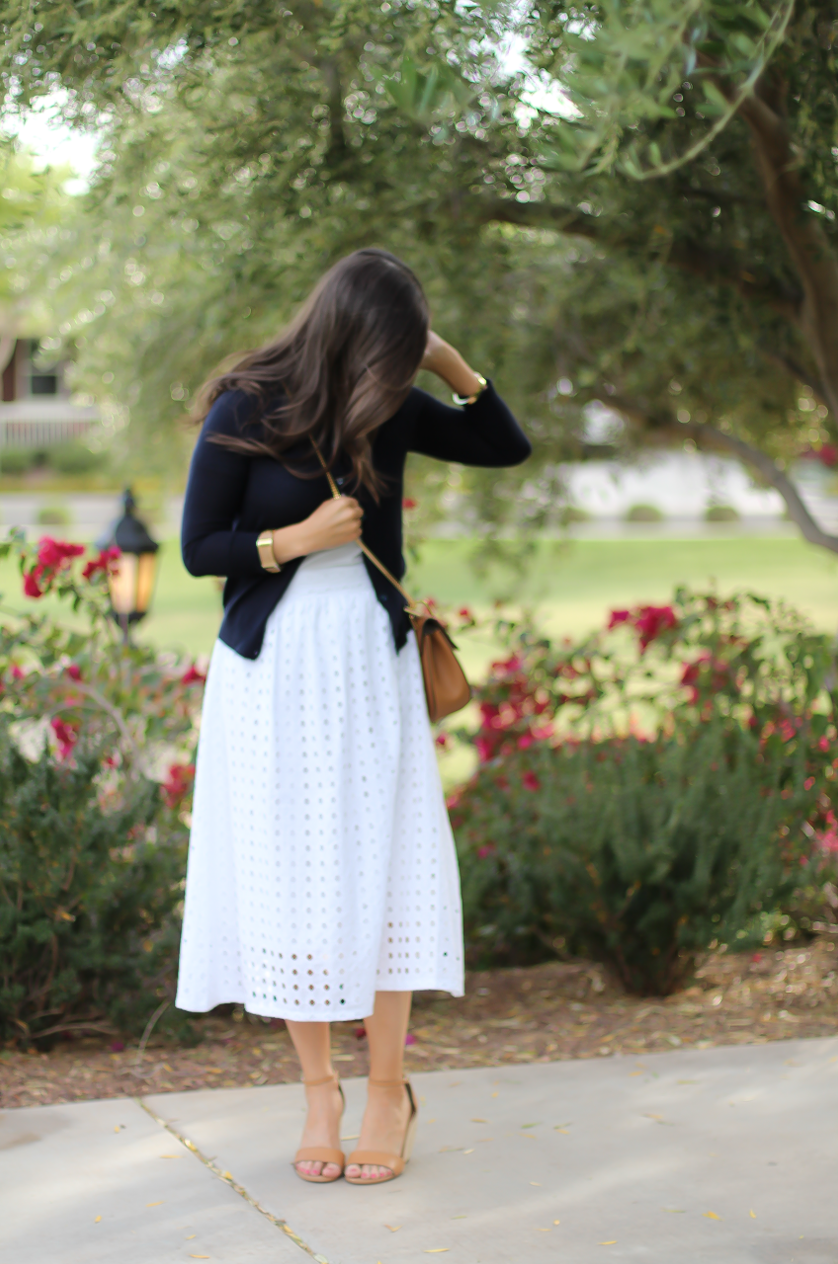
(36, 409)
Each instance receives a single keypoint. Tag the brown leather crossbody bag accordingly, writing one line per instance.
(446, 687)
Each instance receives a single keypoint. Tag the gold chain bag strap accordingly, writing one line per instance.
(446, 687)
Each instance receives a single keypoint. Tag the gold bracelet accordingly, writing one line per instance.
(265, 549)
(469, 399)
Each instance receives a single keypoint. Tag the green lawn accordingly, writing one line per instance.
(571, 587)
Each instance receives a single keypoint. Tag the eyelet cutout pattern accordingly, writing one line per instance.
(321, 863)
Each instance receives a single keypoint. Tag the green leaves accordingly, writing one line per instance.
(627, 69)
(436, 92)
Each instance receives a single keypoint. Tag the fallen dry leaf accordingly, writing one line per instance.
(611, 1242)
(479, 1121)
(676, 1211)
(752, 1214)
(471, 1151)
(159, 1203)
(538, 1183)
(393, 1228)
(199, 1257)
(98, 1218)
(538, 1229)
(190, 1236)
(436, 1250)
(228, 1176)
(557, 1222)
(711, 1215)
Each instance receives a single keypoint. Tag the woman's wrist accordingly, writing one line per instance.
(290, 542)
(446, 362)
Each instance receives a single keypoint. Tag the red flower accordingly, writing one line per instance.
(31, 587)
(54, 554)
(408, 503)
(103, 562)
(647, 621)
(73, 671)
(178, 783)
(441, 740)
(65, 734)
(465, 613)
(823, 744)
(192, 676)
(650, 621)
(17, 674)
(530, 781)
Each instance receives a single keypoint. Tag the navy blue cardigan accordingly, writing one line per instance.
(232, 497)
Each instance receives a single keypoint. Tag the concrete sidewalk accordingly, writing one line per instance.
(725, 1155)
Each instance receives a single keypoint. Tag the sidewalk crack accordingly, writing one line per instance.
(228, 1180)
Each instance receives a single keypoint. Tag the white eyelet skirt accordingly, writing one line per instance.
(321, 863)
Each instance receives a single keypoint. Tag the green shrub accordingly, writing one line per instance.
(97, 741)
(88, 893)
(644, 513)
(638, 853)
(721, 513)
(684, 759)
(75, 458)
(53, 516)
(16, 461)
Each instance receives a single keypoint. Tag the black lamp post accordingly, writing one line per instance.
(132, 582)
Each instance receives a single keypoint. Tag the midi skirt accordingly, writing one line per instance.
(321, 862)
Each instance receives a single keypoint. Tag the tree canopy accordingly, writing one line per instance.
(642, 209)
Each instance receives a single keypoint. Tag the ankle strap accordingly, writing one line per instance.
(387, 1083)
(327, 1079)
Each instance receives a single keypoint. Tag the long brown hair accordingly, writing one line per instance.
(344, 365)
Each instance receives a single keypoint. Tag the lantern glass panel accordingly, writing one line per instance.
(122, 582)
(147, 565)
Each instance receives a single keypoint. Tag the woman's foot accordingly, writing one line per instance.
(383, 1128)
(325, 1107)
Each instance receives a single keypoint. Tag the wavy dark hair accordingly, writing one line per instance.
(343, 366)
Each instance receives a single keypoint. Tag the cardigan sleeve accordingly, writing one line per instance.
(218, 476)
(483, 433)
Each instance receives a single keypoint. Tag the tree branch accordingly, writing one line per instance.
(661, 421)
(715, 266)
(778, 164)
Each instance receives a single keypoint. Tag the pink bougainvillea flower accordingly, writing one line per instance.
(66, 736)
(823, 744)
(53, 554)
(31, 584)
(485, 850)
(360, 1033)
(465, 613)
(17, 674)
(192, 676)
(409, 503)
(442, 740)
(104, 561)
(73, 671)
(178, 783)
(409, 1039)
(530, 781)
(650, 621)
(617, 617)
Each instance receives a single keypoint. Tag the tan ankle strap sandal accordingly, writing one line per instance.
(321, 1154)
(380, 1158)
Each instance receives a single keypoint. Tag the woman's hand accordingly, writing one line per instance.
(333, 523)
(444, 360)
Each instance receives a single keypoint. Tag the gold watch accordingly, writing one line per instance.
(469, 399)
(265, 549)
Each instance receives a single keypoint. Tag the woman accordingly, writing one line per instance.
(322, 879)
